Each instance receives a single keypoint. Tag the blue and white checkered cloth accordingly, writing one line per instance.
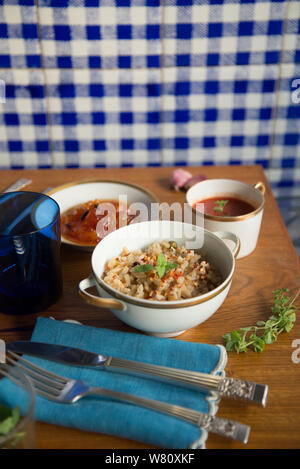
(94, 83)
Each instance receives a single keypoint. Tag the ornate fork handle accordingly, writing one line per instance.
(210, 423)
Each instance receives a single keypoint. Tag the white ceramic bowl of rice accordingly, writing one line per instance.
(188, 277)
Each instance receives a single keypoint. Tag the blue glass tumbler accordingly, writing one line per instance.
(30, 265)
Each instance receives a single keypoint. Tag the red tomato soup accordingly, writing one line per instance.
(225, 206)
(78, 224)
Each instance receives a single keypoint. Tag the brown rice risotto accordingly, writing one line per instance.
(163, 272)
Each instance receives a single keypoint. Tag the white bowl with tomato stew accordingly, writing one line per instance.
(230, 205)
(142, 308)
(92, 209)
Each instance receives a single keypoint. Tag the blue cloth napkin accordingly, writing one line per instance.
(125, 420)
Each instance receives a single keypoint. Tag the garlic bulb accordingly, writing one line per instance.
(179, 178)
(182, 179)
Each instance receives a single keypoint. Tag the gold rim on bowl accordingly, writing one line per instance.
(88, 181)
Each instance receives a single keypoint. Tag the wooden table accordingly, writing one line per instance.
(274, 264)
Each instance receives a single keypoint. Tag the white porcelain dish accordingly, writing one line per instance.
(245, 227)
(69, 195)
(160, 318)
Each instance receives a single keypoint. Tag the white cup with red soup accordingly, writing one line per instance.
(230, 205)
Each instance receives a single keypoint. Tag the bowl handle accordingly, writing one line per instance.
(232, 237)
(260, 187)
(110, 303)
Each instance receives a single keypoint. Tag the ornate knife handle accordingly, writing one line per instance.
(226, 387)
(240, 389)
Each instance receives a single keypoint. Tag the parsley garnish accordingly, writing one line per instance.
(265, 332)
(162, 266)
(220, 204)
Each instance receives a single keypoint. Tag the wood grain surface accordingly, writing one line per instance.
(274, 264)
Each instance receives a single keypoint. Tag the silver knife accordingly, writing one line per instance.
(224, 386)
(19, 184)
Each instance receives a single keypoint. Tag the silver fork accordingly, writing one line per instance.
(60, 389)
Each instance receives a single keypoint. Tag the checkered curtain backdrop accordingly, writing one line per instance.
(103, 83)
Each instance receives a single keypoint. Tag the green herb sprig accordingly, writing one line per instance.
(162, 266)
(265, 332)
(9, 419)
(220, 204)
